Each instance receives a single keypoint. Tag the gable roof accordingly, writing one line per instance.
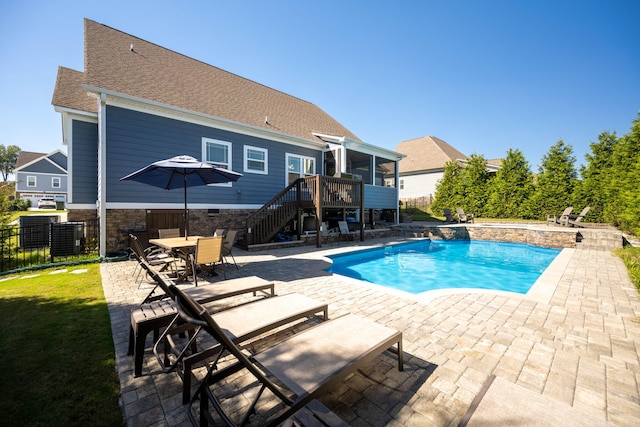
(25, 157)
(124, 64)
(68, 92)
(426, 153)
(54, 162)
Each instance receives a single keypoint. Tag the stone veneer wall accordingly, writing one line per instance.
(120, 221)
(503, 233)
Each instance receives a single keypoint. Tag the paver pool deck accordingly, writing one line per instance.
(569, 349)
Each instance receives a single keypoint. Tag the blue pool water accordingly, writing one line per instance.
(426, 265)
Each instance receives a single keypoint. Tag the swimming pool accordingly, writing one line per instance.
(427, 265)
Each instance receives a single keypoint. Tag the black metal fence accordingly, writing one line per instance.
(41, 240)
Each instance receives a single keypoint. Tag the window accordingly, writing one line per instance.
(299, 167)
(55, 182)
(218, 153)
(256, 160)
(31, 181)
(402, 184)
(385, 172)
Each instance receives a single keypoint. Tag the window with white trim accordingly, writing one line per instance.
(55, 182)
(299, 167)
(256, 160)
(31, 181)
(218, 153)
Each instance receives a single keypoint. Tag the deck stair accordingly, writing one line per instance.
(315, 193)
(600, 239)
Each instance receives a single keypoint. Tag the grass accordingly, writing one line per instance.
(57, 350)
(631, 257)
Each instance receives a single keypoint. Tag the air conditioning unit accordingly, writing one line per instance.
(67, 238)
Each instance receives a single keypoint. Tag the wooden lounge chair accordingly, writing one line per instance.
(304, 366)
(562, 219)
(463, 217)
(447, 215)
(576, 221)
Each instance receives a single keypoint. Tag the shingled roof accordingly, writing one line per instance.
(121, 63)
(426, 153)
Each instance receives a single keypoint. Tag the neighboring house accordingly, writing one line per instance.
(137, 102)
(41, 176)
(423, 166)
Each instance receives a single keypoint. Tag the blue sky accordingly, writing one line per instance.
(485, 76)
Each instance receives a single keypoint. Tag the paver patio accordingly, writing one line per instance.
(573, 342)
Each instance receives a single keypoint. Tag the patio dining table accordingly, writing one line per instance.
(181, 246)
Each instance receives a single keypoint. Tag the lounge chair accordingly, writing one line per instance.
(577, 221)
(241, 324)
(463, 217)
(158, 314)
(562, 219)
(447, 215)
(154, 256)
(208, 253)
(304, 366)
(343, 226)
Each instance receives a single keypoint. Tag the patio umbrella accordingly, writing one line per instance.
(182, 172)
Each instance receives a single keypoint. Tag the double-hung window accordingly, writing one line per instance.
(299, 167)
(31, 181)
(218, 153)
(55, 182)
(256, 160)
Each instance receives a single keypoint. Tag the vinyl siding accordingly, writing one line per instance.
(43, 183)
(136, 139)
(378, 197)
(85, 162)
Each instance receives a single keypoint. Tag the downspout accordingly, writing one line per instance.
(397, 184)
(102, 167)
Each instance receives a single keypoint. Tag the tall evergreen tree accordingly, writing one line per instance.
(623, 206)
(511, 188)
(592, 189)
(555, 181)
(475, 179)
(448, 193)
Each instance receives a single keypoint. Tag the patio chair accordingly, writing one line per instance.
(208, 253)
(153, 256)
(463, 217)
(562, 219)
(303, 367)
(448, 216)
(577, 221)
(165, 233)
(227, 245)
(219, 232)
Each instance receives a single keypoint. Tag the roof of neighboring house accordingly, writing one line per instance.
(426, 153)
(121, 63)
(25, 157)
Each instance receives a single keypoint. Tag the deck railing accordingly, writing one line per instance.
(311, 192)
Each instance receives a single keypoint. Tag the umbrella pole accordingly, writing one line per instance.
(186, 213)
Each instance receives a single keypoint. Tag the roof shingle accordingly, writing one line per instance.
(426, 153)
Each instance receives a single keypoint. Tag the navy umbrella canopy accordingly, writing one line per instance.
(182, 172)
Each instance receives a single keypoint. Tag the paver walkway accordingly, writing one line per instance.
(578, 345)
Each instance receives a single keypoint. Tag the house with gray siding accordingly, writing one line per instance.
(167, 104)
(41, 175)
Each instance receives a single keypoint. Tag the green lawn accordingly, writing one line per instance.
(57, 350)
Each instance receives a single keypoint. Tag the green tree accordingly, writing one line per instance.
(555, 181)
(592, 189)
(474, 183)
(511, 188)
(623, 208)
(448, 188)
(8, 159)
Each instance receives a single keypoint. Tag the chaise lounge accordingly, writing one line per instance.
(296, 370)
